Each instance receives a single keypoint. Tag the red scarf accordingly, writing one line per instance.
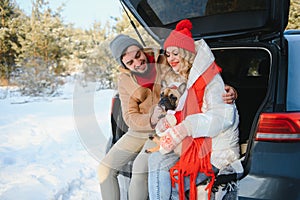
(148, 81)
(196, 152)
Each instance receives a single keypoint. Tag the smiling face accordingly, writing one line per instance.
(135, 60)
(173, 58)
(181, 60)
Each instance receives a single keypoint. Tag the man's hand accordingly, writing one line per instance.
(230, 96)
(157, 114)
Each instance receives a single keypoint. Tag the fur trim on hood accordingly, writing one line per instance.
(204, 58)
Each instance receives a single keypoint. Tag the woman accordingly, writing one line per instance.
(203, 127)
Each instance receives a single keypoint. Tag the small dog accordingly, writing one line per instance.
(169, 98)
(173, 86)
(170, 95)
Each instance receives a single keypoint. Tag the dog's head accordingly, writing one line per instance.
(170, 95)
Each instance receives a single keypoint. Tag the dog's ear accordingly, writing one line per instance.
(181, 88)
(164, 84)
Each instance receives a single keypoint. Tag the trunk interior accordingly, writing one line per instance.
(247, 70)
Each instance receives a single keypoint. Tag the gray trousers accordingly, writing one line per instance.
(128, 148)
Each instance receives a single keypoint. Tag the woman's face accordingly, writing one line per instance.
(173, 58)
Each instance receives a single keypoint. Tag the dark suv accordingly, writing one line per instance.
(262, 61)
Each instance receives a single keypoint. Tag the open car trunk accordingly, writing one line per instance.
(212, 18)
(241, 33)
(247, 69)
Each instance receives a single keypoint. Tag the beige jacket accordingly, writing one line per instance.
(138, 102)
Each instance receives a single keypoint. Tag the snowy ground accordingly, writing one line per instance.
(50, 147)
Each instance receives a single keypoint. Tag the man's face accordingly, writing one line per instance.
(135, 60)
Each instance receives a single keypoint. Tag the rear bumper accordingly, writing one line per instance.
(274, 172)
(272, 188)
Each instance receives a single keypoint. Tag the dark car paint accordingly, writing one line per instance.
(217, 20)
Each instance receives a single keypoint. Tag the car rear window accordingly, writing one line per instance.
(170, 11)
(293, 85)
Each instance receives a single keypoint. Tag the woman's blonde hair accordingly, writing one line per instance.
(187, 59)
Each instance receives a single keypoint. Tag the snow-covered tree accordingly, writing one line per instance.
(8, 40)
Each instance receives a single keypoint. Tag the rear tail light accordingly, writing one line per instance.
(283, 127)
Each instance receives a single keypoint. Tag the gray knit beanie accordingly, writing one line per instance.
(120, 44)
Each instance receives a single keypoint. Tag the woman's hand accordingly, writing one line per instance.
(230, 96)
(172, 137)
(163, 124)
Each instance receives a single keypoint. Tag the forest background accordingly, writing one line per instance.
(39, 49)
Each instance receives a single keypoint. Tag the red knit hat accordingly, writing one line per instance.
(181, 36)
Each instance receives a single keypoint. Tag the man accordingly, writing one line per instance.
(139, 89)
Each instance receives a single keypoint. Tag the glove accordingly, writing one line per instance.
(172, 137)
(157, 114)
(163, 124)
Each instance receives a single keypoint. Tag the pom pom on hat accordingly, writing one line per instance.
(185, 26)
(182, 36)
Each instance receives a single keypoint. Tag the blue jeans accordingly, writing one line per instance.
(159, 181)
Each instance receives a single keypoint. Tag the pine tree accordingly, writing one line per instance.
(43, 40)
(8, 40)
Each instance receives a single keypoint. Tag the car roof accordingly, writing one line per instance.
(211, 18)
